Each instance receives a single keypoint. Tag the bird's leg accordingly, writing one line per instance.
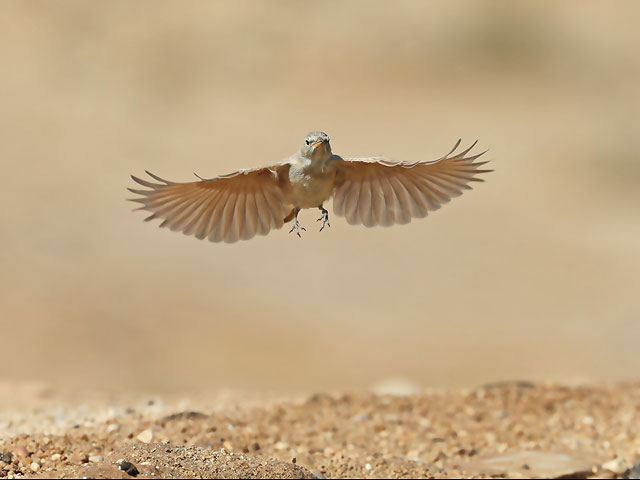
(324, 218)
(296, 225)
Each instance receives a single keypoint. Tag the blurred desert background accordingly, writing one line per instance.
(533, 275)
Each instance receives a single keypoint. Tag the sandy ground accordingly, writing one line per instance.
(514, 428)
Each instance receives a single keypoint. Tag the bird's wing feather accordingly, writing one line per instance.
(375, 191)
(227, 208)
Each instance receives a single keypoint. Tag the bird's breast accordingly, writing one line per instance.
(311, 185)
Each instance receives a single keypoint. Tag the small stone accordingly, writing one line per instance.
(255, 446)
(145, 436)
(539, 464)
(96, 458)
(21, 452)
(424, 422)
(616, 465)
(634, 472)
(78, 458)
(5, 457)
(55, 457)
(180, 415)
(35, 466)
(368, 466)
(396, 386)
(113, 427)
(361, 417)
(128, 468)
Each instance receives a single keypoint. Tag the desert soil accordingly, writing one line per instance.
(514, 429)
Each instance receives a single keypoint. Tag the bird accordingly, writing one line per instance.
(369, 191)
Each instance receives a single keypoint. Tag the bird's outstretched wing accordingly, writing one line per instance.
(226, 208)
(374, 191)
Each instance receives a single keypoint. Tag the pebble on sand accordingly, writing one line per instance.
(531, 464)
(96, 458)
(617, 466)
(21, 452)
(146, 436)
(396, 386)
(129, 468)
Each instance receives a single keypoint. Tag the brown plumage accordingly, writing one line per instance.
(368, 191)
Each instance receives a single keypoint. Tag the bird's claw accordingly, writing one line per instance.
(297, 227)
(324, 219)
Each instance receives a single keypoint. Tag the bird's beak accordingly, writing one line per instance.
(315, 144)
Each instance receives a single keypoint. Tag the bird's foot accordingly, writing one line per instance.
(297, 227)
(324, 219)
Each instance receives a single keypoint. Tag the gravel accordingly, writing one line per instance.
(502, 429)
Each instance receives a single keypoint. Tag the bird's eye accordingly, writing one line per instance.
(307, 141)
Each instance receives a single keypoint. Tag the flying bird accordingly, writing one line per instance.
(369, 191)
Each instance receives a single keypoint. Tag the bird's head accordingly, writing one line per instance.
(316, 144)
